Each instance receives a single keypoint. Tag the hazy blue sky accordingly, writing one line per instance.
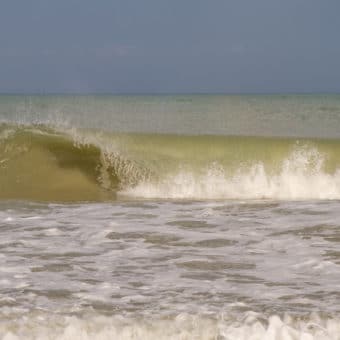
(144, 46)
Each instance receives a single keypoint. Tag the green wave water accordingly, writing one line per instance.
(38, 162)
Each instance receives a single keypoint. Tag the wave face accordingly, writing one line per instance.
(38, 162)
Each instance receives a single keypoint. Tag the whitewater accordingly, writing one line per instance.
(169, 217)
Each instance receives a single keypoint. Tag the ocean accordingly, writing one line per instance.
(170, 217)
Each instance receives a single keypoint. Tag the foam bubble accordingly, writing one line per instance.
(301, 176)
(250, 326)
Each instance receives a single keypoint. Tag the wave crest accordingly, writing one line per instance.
(301, 176)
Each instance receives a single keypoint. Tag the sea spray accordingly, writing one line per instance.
(300, 176)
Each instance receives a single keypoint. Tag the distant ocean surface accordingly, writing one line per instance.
(170, 217)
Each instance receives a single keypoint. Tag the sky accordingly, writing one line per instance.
(169, 46)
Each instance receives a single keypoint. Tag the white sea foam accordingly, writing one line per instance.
(183, 326)
(300, 176)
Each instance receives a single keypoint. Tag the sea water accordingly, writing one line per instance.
(170, 217)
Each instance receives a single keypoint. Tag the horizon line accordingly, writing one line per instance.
(47, 93)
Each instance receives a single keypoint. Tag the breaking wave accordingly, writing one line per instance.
(38, 162)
